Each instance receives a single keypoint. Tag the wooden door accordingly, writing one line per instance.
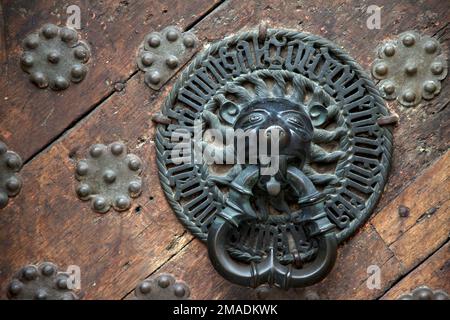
(52, 130)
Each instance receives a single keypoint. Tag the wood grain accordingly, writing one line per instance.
(427, 227)
(433, 273)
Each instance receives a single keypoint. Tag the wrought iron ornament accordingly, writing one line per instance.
(162, 287)
(41, 282)
(410, 68)
(425, 293)
(109, 177)
(10, 182)
(163, 53)
(281, 228)
(54, 56)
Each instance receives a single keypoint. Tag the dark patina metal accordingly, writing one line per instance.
(109, 177)
(54, 56)
(163, 53)
(162, 287)
(10, 182)
(280, 229)
(425, 293)
(410, 68)
(41, 282)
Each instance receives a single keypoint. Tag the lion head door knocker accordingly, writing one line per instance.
(292, 156)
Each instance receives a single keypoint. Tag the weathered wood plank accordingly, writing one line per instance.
(29, 117)
(434, 273)
(427, 227)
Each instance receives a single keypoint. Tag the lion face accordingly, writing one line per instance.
(294, 127)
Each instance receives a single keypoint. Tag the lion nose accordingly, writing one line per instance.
(278, 133)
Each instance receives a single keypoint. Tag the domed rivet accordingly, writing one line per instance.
(50, 31)
(154, 41)
(39, 79)
(389, 88)
(78, 71)
(48, 270)
(164, 281)
(423, 294)
(381, 69)
(96, 151)
(409, 96)
(172, 62)
(147, 59)
(122, 202)
(60, 83)
(389, 50)
(13, 162)
(83, 190)
(134, 187)
(430, 86)
(27, 60)
(179, 290)
(109, 176)
(82, 168)
(172, 35)
(53, 57)
(32, 41)
(408, 40)
(145, 287)
(105, 177)
(30, 273)
(3, 199)
(439, 295)
(154, 77)
(188, 41)
(117, 149)
(436, 68)
(80, 53)
(99, 204)
(411, 69)
(430, 47)
(61, 283)
(15, 287)
(41, 294)
(68, 35)
(13, 184)
(134, 164)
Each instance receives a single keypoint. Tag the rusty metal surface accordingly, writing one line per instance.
(109, 177)
(162, 287)
(10, 181)
(163, 53)
(410, 68)
(41, 282)
(54, 57)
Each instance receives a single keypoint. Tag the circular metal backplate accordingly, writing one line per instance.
(351, 152)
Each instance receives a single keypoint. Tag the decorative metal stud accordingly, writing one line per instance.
(280, 229)
(10, 182)
(425, 293)
(163, 53)
(54, 56)
(41, 282)
(162, 287)
(109, 177)
(410, 68)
